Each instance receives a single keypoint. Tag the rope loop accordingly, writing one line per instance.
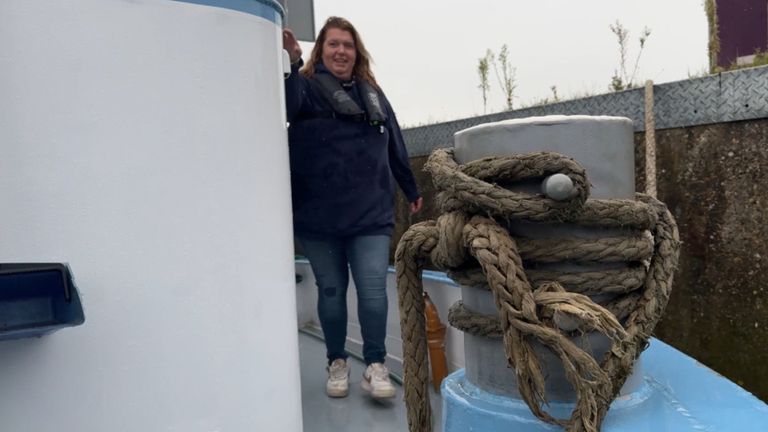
(536, 299)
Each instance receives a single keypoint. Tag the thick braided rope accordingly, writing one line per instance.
(615, 281)
(527, 313)
(460, 191)
(651, 305)
(412, 249)
(489, 326)
(521, 310)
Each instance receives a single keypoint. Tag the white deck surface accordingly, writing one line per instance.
(356, 412)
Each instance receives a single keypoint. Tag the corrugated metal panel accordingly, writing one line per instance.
(730, 96)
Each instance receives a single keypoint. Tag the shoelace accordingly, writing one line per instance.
(337, 372)
(379, 373)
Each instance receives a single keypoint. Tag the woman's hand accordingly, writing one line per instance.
(416, 205)
(291, 44)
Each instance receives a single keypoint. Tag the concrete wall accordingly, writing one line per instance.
(713, 178)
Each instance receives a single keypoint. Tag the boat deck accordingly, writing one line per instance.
(678, 394)
(356, 412)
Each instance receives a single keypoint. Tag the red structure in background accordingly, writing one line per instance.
(743, 30)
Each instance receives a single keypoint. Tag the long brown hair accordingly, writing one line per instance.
(362, 68)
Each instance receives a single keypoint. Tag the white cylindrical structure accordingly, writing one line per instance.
(143, 143)
(605, 147)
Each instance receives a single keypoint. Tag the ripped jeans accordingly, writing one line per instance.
(331, 259)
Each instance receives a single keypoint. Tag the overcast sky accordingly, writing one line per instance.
(426, 52)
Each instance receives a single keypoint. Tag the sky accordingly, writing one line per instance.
(426, 52)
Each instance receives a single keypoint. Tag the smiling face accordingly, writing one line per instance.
(339, 53)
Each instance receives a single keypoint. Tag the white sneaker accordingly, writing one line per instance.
(338, 379)
(376, 381)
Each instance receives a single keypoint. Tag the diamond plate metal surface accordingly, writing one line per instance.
(726, 97)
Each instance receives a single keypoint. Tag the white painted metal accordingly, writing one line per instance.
(143, 142)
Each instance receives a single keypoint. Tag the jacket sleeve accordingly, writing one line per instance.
(398, 156)
(295, 92)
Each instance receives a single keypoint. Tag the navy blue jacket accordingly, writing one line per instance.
(342, 170)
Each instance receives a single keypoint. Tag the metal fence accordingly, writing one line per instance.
(725, 97)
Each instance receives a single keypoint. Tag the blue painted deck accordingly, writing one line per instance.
(678, 394)
(686, 395)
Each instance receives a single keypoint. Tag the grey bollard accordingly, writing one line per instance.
(604, 146)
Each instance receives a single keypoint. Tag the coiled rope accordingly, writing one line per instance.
(469, 240)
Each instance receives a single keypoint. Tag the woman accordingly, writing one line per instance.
(345, 147)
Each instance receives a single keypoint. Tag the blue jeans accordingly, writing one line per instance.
(368, 258)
